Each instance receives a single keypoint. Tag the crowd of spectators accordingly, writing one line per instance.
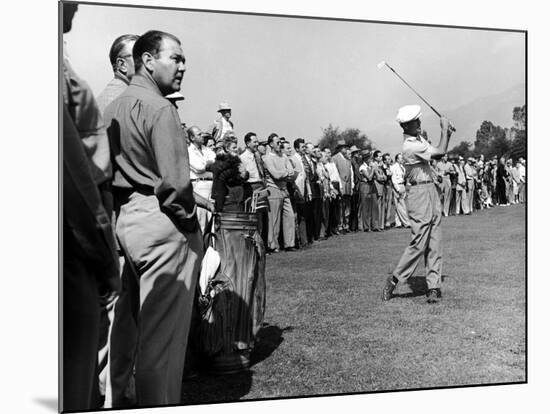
(316, 193)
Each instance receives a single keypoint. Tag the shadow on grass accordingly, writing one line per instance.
(415, 286)
(269, 339)
(210, 388)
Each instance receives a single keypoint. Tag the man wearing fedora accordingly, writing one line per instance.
(223, 124)
(423, 204)
(345, 170)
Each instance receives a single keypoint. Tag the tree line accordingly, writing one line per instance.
(494, 140)
(490, 139)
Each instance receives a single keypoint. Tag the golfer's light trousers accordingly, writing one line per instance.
(401, 218)
(167, 263)
(424, 210)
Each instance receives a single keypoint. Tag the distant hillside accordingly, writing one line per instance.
(495, 108)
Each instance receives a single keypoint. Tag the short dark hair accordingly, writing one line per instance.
(150, 42)
(271, 137)
(297, 143)
(387, 154)
(397, 156)
(376, 153)
(248, 137)
(118, 46)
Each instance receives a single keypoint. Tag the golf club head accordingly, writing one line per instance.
(381, 65)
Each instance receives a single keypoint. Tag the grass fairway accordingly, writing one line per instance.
(328, 332)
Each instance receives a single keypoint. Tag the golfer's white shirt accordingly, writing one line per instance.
(417, 153)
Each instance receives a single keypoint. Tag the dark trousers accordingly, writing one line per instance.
(372, 211)
(80, 335)
(317, 206)
(345, 207)
(355, 203)
(309, 219)
(124, 340)
(325, 206)
(334, 215)
(301, 225)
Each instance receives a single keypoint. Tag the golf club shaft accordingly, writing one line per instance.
(417, 94)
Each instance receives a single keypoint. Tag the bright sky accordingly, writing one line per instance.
(294, 76)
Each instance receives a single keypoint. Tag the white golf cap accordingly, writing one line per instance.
(224, 106)
(408, 113)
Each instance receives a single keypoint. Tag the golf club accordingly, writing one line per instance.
(384, 63)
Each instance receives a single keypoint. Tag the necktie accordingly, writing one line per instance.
(259, 165)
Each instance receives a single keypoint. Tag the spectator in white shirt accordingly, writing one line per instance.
(200, 160)
(252, 162)
(399, 192)
(521, 186)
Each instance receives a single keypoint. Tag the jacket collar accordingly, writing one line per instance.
(122, 77)
(144, 80)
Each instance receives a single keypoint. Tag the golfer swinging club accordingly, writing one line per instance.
(423, 204)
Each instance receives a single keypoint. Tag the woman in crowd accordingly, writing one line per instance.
(229, 177)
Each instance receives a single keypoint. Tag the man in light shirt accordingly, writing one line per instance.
(514, 173)
(399, 192)
(345, 170)
(461, 200)
(253, 164)
(471, 175)
(387, 216)
(200, 160)
(302, 192)
(521, 169)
